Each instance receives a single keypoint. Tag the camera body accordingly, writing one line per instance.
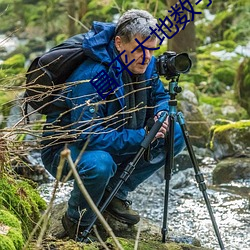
(171, 65)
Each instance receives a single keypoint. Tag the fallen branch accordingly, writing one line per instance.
(66, 154)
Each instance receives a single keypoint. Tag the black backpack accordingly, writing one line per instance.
(48, 73)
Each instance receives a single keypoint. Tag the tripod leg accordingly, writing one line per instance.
(129, 168)
(199, 177)
(168, 173)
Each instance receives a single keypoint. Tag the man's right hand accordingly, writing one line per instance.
(164, 128)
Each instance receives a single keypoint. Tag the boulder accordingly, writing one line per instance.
(150, 235)
(197, 125)
(231, 139)
(231, 169)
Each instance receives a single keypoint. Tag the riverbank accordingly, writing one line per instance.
(188, 215)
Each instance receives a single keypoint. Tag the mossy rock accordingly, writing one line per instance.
(197, 125)
(10, 231)
(128, 244)
(219, 107)
(231, 169)
(22, 200)
(232, 139)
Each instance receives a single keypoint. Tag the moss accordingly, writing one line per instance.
(16, 237)
(236, 125)
(219, 103)
(13, 71)
(221, 132)
(220, 24)
(212, 100)
(128, 244)
(22, 200)
(224, 75)
(17, 61)
(228, 45)
(10, 220)
(6, 243)
(13, 239)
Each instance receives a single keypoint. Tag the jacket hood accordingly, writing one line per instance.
(98, 43)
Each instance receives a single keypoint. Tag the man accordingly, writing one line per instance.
(112, 129)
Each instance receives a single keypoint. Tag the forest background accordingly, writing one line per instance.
(217, 41)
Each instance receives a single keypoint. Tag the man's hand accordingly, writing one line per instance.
(164, 128)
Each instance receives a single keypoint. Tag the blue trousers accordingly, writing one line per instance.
(100, 170)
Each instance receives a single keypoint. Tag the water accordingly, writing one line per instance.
(188, 215)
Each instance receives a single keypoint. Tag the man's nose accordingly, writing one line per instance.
(147, 54)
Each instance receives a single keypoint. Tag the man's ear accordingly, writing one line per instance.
(118, 43)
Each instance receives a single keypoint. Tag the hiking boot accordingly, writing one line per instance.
(75, 231)
(121, 211)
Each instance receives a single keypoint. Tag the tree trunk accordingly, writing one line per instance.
(72, 14)
(185, 40)
(83, 7)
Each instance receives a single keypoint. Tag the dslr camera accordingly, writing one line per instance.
(171, 65)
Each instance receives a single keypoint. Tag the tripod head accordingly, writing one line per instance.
(174, 89)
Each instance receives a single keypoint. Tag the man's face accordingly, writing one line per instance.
(136, 67)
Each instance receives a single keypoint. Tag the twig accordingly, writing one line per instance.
(66, 154)
(137, 236)
(99, 238)
(77, 21)
(45, 217)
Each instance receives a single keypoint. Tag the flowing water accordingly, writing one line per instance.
(187, 212)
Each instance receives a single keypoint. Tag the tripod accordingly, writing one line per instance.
(173, 90)
(129, 169)
(169, 163)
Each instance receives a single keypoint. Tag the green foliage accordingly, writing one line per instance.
(224, 75)
(21, 199)
(16, 61)
(219, 102)
(13, 66)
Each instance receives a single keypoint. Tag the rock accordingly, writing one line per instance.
(149, 238)
(231, 169)
(229, 140)
(227, 110)
(197, 125)
(188, 95)
(181, 179)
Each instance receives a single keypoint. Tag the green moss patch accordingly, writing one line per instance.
(22, 200)
(231, 138)
(10, 231)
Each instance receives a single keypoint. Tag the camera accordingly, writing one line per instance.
(171, 65)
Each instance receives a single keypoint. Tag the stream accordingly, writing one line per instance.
(187, 212)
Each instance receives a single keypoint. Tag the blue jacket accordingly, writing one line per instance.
(105, 132)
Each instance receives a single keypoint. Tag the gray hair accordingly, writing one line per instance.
(135, 22)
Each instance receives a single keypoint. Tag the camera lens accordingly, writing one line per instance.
(182, 63)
